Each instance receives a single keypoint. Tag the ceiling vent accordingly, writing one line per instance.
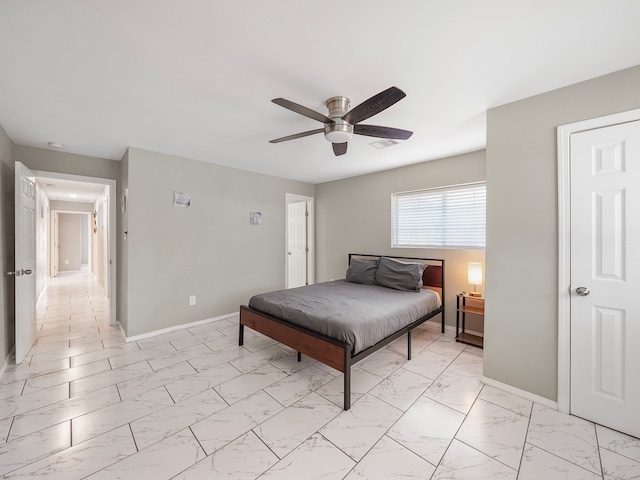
(380, 144)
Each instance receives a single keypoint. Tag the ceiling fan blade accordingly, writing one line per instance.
(297, 135)
(374, 105)
(299, 109)
(382, 132)
(339, 148)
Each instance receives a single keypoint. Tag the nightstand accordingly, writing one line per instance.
(467, 305)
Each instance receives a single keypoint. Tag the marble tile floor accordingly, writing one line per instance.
(192, 404)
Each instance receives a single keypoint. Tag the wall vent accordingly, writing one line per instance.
(380, 144)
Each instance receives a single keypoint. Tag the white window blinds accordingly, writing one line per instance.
(442, 217)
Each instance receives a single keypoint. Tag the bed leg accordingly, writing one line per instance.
(241, 335)
(409, 345)
(299, 356)
(347, 380)
(347, 389)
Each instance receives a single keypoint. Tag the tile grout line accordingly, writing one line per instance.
(525, 438)
(595, 431)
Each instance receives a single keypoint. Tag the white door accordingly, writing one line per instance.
(297, 244)
(605, 276)
(25, 261)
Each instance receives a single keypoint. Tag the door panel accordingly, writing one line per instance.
(25, 261)
(609, 248)
(297, 244)
(609, 352)
(605, 258)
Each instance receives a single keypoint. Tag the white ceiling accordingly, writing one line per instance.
(195, 78)
(70, 191)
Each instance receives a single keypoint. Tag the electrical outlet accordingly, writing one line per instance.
(66, 262)
(192, 300)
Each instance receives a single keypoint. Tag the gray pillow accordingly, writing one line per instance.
(362, 271)
(399, 275)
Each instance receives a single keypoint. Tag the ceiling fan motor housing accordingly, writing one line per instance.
(341, 131)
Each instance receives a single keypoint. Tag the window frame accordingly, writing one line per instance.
(444, 189)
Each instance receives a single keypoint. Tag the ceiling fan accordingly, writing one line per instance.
(341, 123)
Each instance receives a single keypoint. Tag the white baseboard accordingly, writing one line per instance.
(7, 360)
(438, 323)
(520, 393)
(450, 328)
(155, 333)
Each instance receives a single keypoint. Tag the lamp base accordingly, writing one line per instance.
(474, 294)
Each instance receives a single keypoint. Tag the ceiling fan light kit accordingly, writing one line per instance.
(341, 123)
(339, 131)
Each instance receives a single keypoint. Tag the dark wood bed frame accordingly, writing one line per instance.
(333, 352)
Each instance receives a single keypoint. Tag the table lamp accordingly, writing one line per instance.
(475, 277)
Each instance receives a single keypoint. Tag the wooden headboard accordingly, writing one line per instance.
(432, 277)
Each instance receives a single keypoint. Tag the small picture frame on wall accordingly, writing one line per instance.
(181, 200)
(255, 218)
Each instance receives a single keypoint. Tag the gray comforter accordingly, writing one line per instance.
(360, 315)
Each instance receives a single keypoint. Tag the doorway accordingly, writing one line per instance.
(70, 239)
(299, 247)
(91, 201)
(599, 270)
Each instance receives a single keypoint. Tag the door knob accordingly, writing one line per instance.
(582, 291)
(17, 273)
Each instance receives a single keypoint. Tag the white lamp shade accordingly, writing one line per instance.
(475, 273)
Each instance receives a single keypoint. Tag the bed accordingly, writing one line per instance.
(342, 322)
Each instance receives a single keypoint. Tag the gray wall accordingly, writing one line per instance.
(69, 242)
(354, 216)
(208, 250)
(62, 162)
(521, 328)
(7, 217)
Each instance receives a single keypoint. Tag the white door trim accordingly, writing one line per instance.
(564, 133)
(112, 229)
(292, 198)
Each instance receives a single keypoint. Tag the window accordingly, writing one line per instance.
(452, 217)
